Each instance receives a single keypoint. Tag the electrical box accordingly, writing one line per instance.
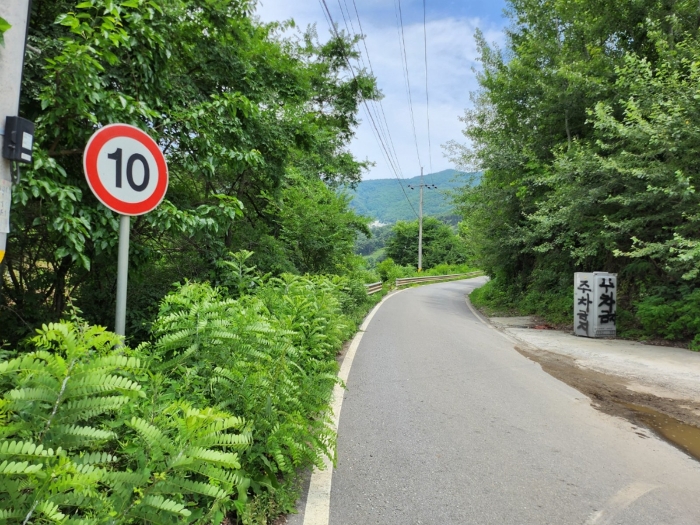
(18, 143)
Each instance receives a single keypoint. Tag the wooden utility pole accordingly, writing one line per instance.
(420, 217)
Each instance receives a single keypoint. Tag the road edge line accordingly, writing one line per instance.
(484, 320)
(318, 500)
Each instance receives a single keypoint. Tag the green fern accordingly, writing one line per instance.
(78, 447)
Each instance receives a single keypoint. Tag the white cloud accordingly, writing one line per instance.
(452, 55)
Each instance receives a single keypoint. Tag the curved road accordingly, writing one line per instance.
(443, 422)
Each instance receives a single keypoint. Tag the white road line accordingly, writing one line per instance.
(619, 502)
(318, 502)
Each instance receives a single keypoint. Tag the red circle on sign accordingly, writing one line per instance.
(92, 151)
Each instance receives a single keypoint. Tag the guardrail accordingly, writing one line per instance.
(377, 287)
(435, 278)
(373, 288)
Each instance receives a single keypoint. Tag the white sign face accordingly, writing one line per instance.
(127, 169)
(5, 202)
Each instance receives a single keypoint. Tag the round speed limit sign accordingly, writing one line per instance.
(125, 169)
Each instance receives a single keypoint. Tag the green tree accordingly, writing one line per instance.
(440, 244)
(235, 105)
(586, 140)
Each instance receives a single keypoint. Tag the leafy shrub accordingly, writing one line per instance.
(493, 299)
(673, 320)
(84, 436)
(91, 432)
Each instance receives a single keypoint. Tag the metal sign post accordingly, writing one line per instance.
(122, 274)
(127, 172)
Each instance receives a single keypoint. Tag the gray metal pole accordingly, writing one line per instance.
(420, 224)
(16, 12)
(122, 274)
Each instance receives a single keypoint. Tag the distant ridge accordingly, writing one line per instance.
(383, 200)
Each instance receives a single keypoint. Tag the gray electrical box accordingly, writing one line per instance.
(18, 142)
(595, 304)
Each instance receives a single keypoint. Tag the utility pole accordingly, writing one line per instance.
(16, 13)
(420, 217)
(420, 224)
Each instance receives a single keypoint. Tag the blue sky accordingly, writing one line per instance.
(451, 57)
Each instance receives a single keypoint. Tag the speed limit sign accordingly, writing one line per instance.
(127, 172)
(125, 169)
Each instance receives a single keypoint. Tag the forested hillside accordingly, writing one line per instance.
(586, 128)
(383, 200)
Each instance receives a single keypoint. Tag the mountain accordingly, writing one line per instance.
(383, 200)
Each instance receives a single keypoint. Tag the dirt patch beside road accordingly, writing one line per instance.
(611, 395)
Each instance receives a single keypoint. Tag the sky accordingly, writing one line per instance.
(451, 56)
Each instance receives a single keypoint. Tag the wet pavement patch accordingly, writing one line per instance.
(684, 436)
(674, 421)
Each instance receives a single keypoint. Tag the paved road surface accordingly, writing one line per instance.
(443, 422)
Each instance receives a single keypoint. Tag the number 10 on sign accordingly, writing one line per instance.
(127, 172)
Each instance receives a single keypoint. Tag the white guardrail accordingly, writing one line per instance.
(376, 287)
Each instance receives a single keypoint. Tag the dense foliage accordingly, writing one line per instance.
(213, 416)
(254, 120)
(586, 128)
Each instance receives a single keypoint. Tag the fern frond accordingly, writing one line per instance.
(50, 511)
(225, 459)
(94, 458)
(128, 479)
(185, 486)
(18, 467)
(172, 363)
(230, 477)
(7, 514)
(216, 439)
(32, 394)
(113, 361)
(99, 383)
(153, 437)
(24, 448)
(88, 408)
(168, 505)
(88, 433)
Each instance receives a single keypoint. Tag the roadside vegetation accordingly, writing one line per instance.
(586, 128)
(213, 417)
(243, 284)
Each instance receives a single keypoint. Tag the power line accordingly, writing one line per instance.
(427, 98)
(369, 113)
(369, 60)
(402, 46)
(381, 119)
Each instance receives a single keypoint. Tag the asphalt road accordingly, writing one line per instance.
(443, 422)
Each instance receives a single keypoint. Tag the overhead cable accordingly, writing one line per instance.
(427, 98)
(404, 58)
(383, 146)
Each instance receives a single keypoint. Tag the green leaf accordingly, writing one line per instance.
(4, 26)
